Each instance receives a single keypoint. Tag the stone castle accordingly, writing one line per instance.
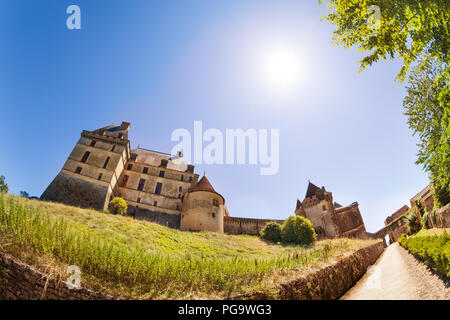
(329, 218)
(163, 188)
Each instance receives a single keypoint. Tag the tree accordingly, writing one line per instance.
(425, 117)
(117, 206)
(298, 230)
(24, 194)
(418, 32)
(271, 232)
(3, 185)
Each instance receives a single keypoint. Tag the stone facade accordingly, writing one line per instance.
(425, 198)
(395, 224)
(329, 217)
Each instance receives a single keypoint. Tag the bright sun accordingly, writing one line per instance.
(282, 69)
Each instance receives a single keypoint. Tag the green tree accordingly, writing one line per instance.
(271, 232)
(425, 117)
(417, 32)
(3, 185)
(117, 206)
(298, 230)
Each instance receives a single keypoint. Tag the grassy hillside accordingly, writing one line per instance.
(139, 259)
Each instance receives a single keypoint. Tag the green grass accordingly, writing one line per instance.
(144, 260)
(433, 246)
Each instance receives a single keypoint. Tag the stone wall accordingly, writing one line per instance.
(68, 189)
(19, 281)
(328, 283)
(162, 218)
(233, 225)
(349, 219)
(442, 217)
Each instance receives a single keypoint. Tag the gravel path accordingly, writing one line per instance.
(398, 275)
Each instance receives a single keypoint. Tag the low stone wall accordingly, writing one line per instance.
(233, 225)
(19, 281)
(331, 282)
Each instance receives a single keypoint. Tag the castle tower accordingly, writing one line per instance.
(203, 208)
(319, 209)
(90, 174)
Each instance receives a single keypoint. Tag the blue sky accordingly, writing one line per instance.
(161, 65)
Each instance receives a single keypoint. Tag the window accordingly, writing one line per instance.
(158, 188)
(129, 167)
(78, 170)
(213, 215)
(161, 174)
(178, 208)
(93, 143)
(179, 196)
(155, 203)
(100, 176)
(180, 189)
(190, 179)
(85, 156)
(141, 184)
(138, 200)
(113, 148)
(106, 162)
(124, 181)
(324, 208)
(145, 170)
(215, 202)
(120, 135)
(182, 178)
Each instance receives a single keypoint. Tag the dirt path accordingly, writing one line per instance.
(398, 275)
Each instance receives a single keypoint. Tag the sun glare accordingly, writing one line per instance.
(282, 69)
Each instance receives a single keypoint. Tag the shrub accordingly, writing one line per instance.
(412, 222)
(271, 232)
(298, 230)
(117, 206)
(434, 250)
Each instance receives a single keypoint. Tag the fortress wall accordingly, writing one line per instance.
(349, 218)
(67, 188)
(19, 281)
(233, 225)
(157, 216)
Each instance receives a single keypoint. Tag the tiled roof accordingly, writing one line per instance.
(312, 189)
(205, 185)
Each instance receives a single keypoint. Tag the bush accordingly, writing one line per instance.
(271, 232)
(434, 250)
(117, 206)
(298, 230)
(412, 222)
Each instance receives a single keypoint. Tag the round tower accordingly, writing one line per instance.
(202, 208)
